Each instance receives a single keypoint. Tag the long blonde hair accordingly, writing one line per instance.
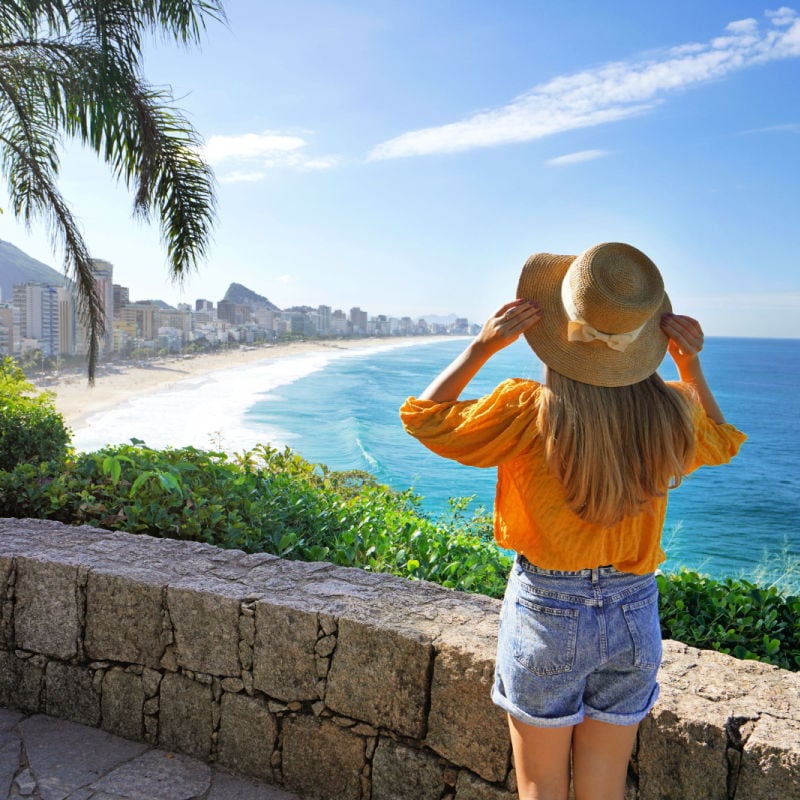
(614, 449)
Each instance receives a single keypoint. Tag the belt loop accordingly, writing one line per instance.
(595, 574)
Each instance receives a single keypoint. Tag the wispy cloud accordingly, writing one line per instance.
(249, 156)
(612, 92)
(575, 158)
(787, 127)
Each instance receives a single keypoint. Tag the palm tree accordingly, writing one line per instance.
(73, 68)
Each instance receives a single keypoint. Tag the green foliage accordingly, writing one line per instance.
(263, 501)
(732, 616)
(31, 430)
(273, 501)
(73, 69)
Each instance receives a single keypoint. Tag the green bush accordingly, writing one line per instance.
(731, 616)
(276, 502)
(264, 501)
(31, 430)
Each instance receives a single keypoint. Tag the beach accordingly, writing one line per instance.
(220, 386)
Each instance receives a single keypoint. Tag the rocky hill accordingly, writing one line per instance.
(241, 295)
(19, 267)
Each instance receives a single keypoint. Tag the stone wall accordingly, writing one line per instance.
(335, 683)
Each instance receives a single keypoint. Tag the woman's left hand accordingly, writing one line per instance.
(507, 324)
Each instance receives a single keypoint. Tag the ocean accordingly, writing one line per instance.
(341, 409)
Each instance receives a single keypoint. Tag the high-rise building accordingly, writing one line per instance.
(38, 307)
(358, 319)
(7, 329)
(324, 320)
(103, 272)
(67, 322)
(122, 296)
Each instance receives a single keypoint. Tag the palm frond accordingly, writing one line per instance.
(73, 68)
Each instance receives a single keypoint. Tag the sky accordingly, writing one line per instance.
(407, 157)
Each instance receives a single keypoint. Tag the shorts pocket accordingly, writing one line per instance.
(641, 618)
(545, 638)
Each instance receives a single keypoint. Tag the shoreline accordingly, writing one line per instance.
(77, 402)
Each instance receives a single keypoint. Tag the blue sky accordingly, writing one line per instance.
(407, 157)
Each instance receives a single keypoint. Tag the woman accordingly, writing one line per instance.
(584, 464)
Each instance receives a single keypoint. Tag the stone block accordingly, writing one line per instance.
(464, 725)
(284, 662)
(247, 735)
(70, 693)
(380, 676)
(683, 749)
(122, 703)
(6, 603)
(403, 773)
(20, 682)
(185, 720)
(471, 787)
(197, 607)
(124, 618)
(322, 760)
(770, 766)
(47, 616)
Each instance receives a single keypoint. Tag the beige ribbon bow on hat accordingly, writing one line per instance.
(579, 330)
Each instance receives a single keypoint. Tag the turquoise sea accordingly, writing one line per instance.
(739, 519)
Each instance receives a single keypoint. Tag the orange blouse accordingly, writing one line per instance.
(530, 513)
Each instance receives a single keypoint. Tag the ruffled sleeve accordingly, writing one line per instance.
(714, 443)
(480, 433)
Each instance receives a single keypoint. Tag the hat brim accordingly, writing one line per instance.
(586, 362)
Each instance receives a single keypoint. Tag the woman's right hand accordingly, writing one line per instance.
(685, 343)
(685, 338)
(507, 324)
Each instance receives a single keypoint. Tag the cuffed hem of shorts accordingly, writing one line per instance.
(624, 719)
(539, 722)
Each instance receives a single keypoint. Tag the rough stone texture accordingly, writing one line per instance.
(683, 746)
(464, 725)
(321, 760)
(46, 614)
(284, 664)
(380, 676)
(723, 728)
(197, 605)
(122, 703)
(770, 766)
(402, 773)
(6, 603)
(70, 693)
(471, 787)
(167, 776)
(123, 617)
(247, 735)
(70, 755)
(185, 717)
(21, 682)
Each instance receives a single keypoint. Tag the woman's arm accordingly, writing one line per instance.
(685, 343)
(499, 331)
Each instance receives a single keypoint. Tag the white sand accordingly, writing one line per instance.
(118, 388)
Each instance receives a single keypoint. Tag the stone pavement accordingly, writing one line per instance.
(44, 758)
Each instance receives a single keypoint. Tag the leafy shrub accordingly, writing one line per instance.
(264, 501)
(731, 616)
(274, 501)
(31, 430)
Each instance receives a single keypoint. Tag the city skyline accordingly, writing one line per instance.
(42, 318)
(417, 154)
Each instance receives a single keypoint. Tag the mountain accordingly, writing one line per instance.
(18, 267)
(242, 296)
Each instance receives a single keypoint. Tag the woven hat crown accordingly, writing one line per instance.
(601, 313)
(615, 287)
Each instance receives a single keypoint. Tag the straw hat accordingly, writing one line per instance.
(601, 313)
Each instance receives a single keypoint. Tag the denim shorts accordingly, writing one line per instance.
(577, 644)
